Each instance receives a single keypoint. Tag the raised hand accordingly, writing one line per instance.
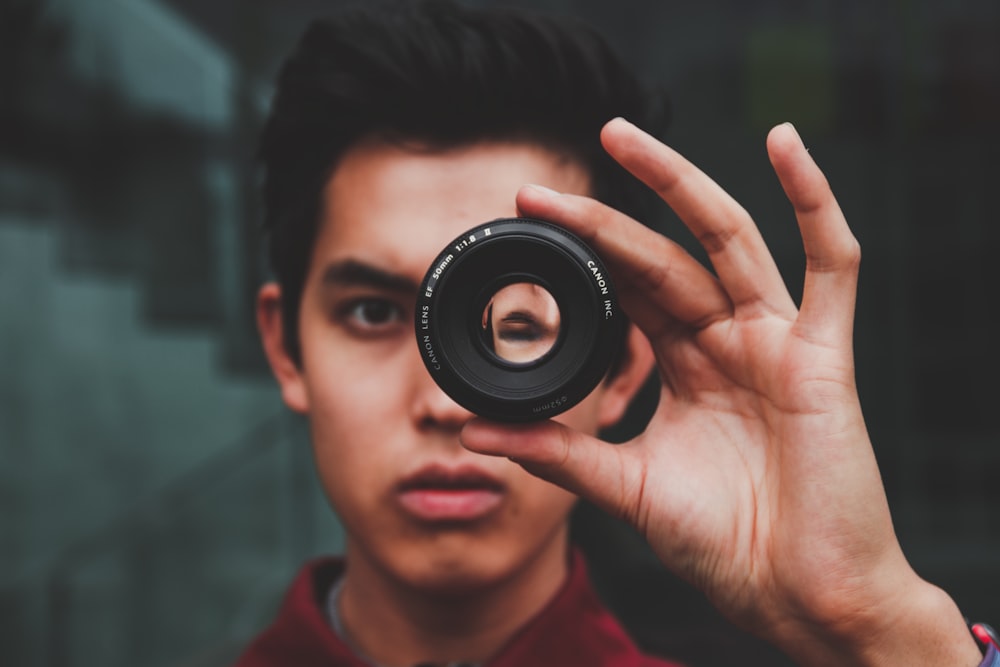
(755, 479)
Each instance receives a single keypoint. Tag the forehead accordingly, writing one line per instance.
(396, 206)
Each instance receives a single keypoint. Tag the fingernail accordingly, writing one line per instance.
(620, 120)
(544, 190)
(792, 127)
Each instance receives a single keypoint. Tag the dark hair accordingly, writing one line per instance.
(445, 75)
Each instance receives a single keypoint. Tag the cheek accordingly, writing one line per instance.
(351, 381)
(538, 513)
(358, 407)
(548, 500)
(536, 502)
(584, 415)
(356, 390)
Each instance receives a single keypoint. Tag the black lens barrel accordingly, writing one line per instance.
(450, 307)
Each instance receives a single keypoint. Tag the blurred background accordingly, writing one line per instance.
(156, 499)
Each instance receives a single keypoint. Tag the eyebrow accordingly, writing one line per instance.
(353, 273)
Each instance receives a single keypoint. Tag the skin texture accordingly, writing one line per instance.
(448, 576)
(755, 479)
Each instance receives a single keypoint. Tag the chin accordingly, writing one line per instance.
(450, 569)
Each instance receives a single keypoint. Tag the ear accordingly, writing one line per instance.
(633, 369)
(272, 335)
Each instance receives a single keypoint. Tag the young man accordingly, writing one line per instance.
(395, 130)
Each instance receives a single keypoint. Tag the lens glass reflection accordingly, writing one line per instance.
(521, 323)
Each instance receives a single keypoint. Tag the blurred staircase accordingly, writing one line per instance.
(155, 504)
(155, 496)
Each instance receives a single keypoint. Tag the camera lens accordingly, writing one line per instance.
(517, 320)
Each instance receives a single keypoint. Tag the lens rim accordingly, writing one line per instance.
(528, 250)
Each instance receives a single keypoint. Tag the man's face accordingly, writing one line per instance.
(415, 504)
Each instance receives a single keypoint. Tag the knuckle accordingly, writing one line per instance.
(733, 224)
(846, 256)
(849, 254)
(855, 251)
(714, 240)
(663, 183)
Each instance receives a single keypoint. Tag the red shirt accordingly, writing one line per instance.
(574, 630)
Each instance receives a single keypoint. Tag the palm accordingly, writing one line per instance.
(723, 458)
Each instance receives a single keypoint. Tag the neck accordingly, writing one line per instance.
(438, 626)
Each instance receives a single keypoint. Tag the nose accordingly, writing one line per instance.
(434, 409)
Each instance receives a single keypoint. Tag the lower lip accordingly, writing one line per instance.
(450, 504)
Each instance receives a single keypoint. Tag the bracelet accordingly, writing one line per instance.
(985, 636)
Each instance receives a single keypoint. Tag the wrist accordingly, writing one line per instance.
(928, 630)
(916, 625)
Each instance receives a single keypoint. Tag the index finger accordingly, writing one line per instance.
(658, 275)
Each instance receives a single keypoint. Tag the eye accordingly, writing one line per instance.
(371, 315)
(519, 328)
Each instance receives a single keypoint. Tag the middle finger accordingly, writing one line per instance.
(737, 250)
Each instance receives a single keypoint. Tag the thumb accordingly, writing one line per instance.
(606, 475)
